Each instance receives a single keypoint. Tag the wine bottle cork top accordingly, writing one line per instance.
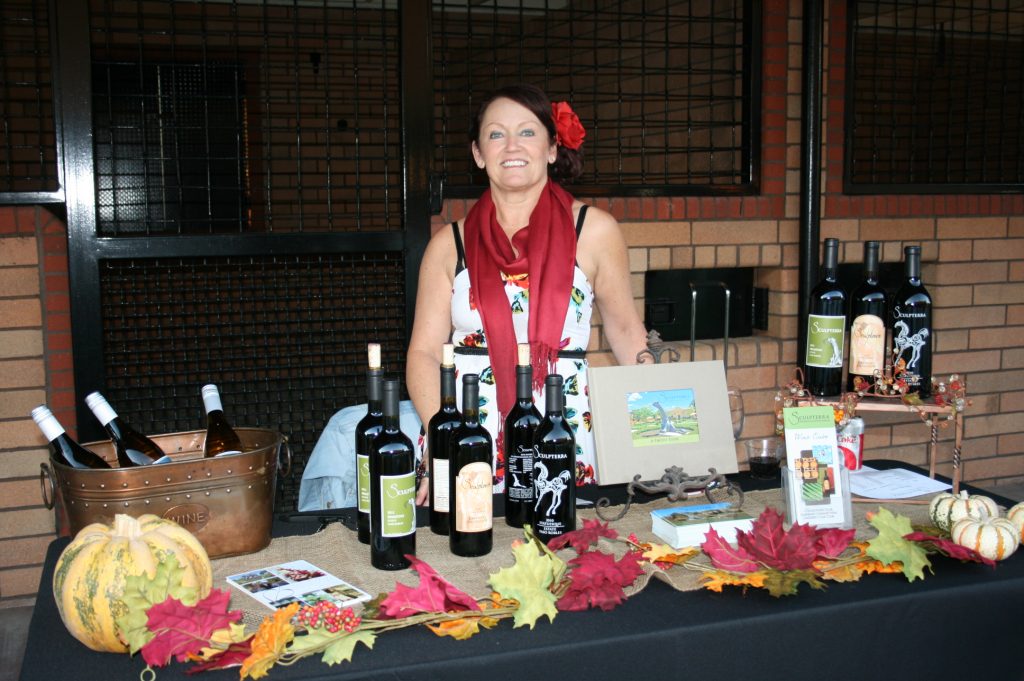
(524, 354)
(448, 355)
(373, 355)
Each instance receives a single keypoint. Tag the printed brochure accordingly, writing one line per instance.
(299, 580)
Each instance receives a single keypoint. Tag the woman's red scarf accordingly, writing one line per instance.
(547, 254)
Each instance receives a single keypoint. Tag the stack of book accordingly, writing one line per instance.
(682, 526)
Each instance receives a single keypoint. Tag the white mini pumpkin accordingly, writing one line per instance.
(994, 538)
(947, 508)
(1016, 516)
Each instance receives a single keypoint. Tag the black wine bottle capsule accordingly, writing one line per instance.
(520, 426)
(826, 329)
(439, 434)
(392, 489)
(554, 466)
(63, 449)
(133, 448)
(221, 438)
(911, 326)
(470, 462)
(868, 319)
(367, 429)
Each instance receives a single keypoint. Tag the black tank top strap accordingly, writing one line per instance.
(460, 261)
(579, 220)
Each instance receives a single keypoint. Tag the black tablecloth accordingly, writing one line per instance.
(961, 620)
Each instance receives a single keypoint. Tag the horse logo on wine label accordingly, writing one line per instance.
(904, 340)
(556, 487)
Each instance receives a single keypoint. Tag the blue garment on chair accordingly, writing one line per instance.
(329, 480)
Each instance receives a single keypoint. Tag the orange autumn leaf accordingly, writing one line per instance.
(666, 556)
(269, 642)
(876, 566)
(850, 572)
(714, 580)
(463, 628)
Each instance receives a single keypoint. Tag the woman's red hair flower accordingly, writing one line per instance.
(569, 131)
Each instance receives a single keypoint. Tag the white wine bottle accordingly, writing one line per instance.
(133, 448)
(221, 438)
(63, 448)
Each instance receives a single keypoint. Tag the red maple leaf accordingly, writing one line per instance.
(582, 539)
(769, 543)
(181, 629)
(725, 556)
(833, 541)
(232, 657)
(597, 580)
(948, 547)
(434, 594)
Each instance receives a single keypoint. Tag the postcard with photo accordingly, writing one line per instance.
(299, 580)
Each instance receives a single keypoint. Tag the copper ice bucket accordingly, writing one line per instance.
(227, 502)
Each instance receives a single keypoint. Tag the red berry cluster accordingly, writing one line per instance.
(329, 616)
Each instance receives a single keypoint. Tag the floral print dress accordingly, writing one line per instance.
(468, 332)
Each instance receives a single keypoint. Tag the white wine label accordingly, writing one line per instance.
(398, 504)
(519, 480)
(825, 340)
(867, 345)
(474, 501)
(363, 482)
(439, 479)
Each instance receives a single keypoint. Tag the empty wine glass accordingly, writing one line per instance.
(736, 410)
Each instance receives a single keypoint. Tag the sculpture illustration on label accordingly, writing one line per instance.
(556, 487)
(825, 340)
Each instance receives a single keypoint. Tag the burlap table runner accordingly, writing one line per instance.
(337, 550)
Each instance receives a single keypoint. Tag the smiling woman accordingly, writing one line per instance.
(527, 246)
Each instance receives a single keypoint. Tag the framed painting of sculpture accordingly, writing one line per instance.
(649, 417)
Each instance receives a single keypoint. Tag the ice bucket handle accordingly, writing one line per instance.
(47, 486)
(286, 468)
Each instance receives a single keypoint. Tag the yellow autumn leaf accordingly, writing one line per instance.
(270, 642)
(463, 628)
(663, 553)
(220, 641)
(714, 580)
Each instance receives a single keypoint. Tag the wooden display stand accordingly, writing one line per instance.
(936, 414)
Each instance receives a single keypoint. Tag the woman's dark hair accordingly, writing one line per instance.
(568, 163)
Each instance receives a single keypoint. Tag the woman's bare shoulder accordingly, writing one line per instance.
(441, 252)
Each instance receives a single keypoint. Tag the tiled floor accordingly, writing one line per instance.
(14, 621)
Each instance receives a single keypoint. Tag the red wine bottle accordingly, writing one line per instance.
(554, 467)
(520, 425)
(133, 448)
(439, 434)
(63, 449)
(392, 489)
(826, 329)
(470, 478)
(911, 326)
(367, 429)
(868, 319)
(221, 438)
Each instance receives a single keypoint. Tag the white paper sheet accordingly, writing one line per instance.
(897, 483)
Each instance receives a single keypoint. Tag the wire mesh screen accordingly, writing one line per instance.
(936, 94)
(283, 337)
(660, 86)
(241, 117)
(28, 148)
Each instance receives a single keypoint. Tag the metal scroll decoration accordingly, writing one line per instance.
(675, 483)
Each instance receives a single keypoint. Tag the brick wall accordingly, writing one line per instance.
(974, 266)
(35, 367)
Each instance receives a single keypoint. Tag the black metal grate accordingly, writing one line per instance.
(663, 88)
(283, 337)
(935, 96)
(241, 117)
(28, 147)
